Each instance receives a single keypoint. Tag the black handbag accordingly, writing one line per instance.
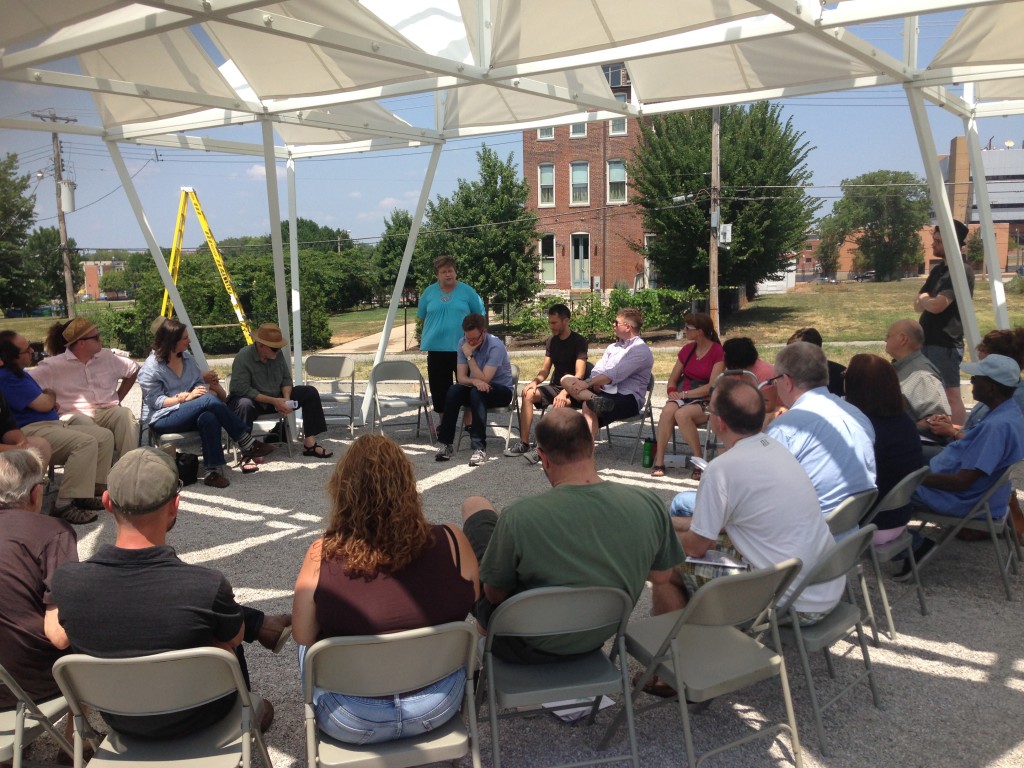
(188, 467)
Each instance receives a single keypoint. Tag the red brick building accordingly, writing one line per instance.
(580, 193)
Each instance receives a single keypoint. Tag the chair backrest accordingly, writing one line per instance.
(395, 370)
(383, 665)
(330, 366)
(899, 495)
(740, 598)
(150, 685)
(1003, 479)
(837, 562)
(515, 378)
(560, 611)
(850, 511)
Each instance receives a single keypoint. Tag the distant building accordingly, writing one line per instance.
(94, 270)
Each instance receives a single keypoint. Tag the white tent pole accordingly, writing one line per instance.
(274, 205)
(293, 246)
(155, 252)
(940, 203)
(403, 270)
(995, 269)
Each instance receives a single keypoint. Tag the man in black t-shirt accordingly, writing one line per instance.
(136, 598)
(566, 353)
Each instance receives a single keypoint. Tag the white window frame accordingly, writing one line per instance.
(549, 137)
(541, 186)
(617, 125)
(608, 183)
(572, 195)
(541, 259)
(574, 127)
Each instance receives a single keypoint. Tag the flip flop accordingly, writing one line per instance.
(658, 470)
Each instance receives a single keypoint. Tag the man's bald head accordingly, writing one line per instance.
(564, 436)
(903, 338)
(738, 403)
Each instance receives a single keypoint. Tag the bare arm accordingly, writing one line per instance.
(695, 545)
(45, 402)
(126, 385)
(53, 630)
(495, 595)
(305, 628)
(933, 304)
(948, 481)
(470, 567)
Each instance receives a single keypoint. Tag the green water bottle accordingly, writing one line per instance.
(649, 448)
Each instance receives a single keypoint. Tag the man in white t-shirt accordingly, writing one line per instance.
(758, 495)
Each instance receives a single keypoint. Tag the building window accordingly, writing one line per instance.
(577, 130)
(546, 134)
(616, 181)
(580, 267)
(580, 183)
(617, 126)
(547, 258)
(546, 185)
(615, 74)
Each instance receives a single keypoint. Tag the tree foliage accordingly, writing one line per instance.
(389, 253)
(17, 214)
(43, 252)
(763, 167)
(882, 211)
(486, 227)
(830, 240)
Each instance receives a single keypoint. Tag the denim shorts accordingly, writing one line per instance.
(360, 720)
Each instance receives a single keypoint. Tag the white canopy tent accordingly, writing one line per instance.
(318, 74)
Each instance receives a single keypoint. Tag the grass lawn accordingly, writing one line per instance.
(32, 328)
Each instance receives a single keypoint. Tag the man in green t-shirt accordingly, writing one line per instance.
(584, 532)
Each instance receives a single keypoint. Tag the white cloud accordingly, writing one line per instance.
(355, 194)
(388, 203)
(365, 216)
(259, 172)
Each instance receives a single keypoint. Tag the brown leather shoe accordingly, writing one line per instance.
(274, 633)
(266, 715)
(216, 479)
(257, 449)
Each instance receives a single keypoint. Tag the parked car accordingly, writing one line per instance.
(863, 277)
(1020, 269)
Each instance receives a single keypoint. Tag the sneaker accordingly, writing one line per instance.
(600, 404)
(216, 479)
(518, 449)
(906, 574)
(532, 456)
(257, 449)
(479, 457)
(74, 514)
(444, 452)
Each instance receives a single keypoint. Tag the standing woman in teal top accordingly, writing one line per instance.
(443, 306)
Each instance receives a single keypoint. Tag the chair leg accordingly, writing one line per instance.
(787, 698)
(885, 600)
(867, 665)
(684, 711)
(805, 662)
(997, 550)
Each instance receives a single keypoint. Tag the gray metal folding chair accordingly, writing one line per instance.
(339, 375)
(703, 652)
(644, 415)
(383, 665)
(898, 497)
(27, 720)
(160, 684)
(404, 372)
(710, 447)
(268, 423)
(843, 619)
(979, 518)
(559, 611)
(512, 409)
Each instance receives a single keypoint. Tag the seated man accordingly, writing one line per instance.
(90, 383)
(759, 496)
(261, 382)
(566, 352)
(617, 387)
(135, 597)
(920, 382)
(32, 546)
(583, 532)
(85, 450)
(832, 440)
(484, 380)
(835, 370)
(967, 468)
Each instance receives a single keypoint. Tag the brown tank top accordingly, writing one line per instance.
(428, 591)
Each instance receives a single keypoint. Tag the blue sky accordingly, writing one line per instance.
(852, 134)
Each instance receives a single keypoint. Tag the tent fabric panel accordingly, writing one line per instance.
(293, 134)
(30, 19)
(990, 35)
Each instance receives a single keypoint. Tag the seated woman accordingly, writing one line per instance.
(872, 385)
(741, 355)
(177, 396)
(381, 567)
(700, 362)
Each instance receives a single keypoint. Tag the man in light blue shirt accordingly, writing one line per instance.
(832, 440)
(484, 381)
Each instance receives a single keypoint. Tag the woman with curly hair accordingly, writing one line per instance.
(380, 567)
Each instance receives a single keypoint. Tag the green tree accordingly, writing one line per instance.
(43, 251)
(114, 281)
(882, 211)
(18, 286)
(830, 240)
(486, 227)
(763, 168)
(389, 252)
(974, 249)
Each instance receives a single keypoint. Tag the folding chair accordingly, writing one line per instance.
(161, 684)
(27, 721)
(705, 654)
(382, 665)
(710, 447)
(512, 409)
(559, 611)
(389, 371)
(898, 496)
(341, 372)
(979, 518)
(645, 414)
(843, 619)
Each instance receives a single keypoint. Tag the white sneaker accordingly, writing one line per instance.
(532, 456)
(479, 457)
(444, 452)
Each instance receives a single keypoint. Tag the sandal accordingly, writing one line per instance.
(75, 515)
(658, 470)
(317, 450)
(248, 466)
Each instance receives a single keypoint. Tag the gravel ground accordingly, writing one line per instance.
(964, 658)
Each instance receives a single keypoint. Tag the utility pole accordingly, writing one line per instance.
(716, 184)
(58, 167)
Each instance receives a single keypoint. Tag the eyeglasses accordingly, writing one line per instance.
(689, 328)
(25, 351)
(773, 379)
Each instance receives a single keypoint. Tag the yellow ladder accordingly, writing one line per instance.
(188, 194)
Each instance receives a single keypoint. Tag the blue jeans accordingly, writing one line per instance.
(478, 402)
(208, 414)
(362, 720)
(683, 504)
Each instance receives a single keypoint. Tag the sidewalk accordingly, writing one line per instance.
(400, 336)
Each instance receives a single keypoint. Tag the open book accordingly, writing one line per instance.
(715, 557)
(698, 462)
